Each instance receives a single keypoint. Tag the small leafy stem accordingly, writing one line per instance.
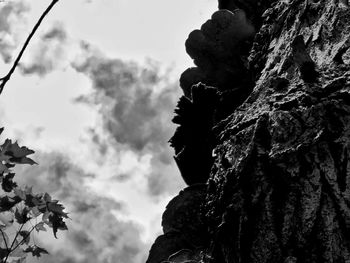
(13, 247)
(24, 206)
(6, 78)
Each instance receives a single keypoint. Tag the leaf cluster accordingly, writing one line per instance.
(22, 209)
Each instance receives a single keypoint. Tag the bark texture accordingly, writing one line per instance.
(278, 189)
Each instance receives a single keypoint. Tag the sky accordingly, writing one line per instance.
(94, 97)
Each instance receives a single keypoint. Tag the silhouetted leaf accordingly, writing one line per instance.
(22, 215)
(57, 208)
(57, 223)
(47, 197)
(7, 182)
(4, 157)
(6, 202)
(40, 227)
(17, 154)
(25, 236)
(35, 250)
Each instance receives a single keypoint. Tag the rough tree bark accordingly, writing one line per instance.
(278, 185)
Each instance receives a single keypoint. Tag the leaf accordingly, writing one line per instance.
(16, 151)
(57, 208)
(35, 250)
(25, 236)
(6, 202)
(22, 216)
(46, 217)
(35, 201)
(7, 182)
(40, 227)
(47, 197)
(18, 154)
(34, 212)
(3, 155)
(56, 222)
(23, 160)
(30, 200)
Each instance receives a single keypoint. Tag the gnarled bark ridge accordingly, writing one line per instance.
(278, 188)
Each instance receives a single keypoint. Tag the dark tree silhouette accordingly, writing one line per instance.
(278, 189)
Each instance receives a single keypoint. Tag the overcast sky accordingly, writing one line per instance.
(94, 97)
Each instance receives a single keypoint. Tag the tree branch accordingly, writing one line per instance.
(13, 242)
(23, 240)
(5, 79)
(3, 236)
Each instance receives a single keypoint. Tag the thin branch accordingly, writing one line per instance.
(5, 79)
(3, 236)
(24, 238)
(13, 242)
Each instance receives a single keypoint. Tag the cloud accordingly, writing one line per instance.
(11, 22)
(136, 105)
(95, 234)
(47, 53)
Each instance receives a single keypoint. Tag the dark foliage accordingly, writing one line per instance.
(193, 139)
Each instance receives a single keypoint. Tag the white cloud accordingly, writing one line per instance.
(11, 25)
(48, 53)
(136, 104)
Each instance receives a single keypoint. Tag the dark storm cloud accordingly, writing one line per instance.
(46, 53)
(95, 234)
(11, 13)
(136, 105)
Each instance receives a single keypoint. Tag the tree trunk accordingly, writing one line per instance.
(278, 185)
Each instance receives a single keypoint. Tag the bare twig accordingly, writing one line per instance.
(3, 236)
(23, 239)
(13, 243)
(5, 79)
